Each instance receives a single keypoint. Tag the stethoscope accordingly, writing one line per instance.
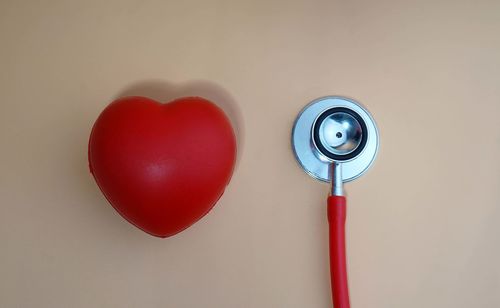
(335, 140)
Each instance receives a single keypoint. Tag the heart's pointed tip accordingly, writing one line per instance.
(156, 235)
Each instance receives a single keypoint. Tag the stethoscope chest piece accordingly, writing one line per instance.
(335, 140)
(335, 129)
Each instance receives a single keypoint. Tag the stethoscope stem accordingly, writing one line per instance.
(337, 183)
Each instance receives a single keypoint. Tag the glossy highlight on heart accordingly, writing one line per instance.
(162, 166)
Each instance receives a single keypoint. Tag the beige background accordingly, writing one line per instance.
(423, 226)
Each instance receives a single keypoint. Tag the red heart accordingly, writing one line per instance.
(162, 166)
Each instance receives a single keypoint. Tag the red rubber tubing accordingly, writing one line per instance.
(338, 267)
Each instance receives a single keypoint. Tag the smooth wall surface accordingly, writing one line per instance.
(423, 223)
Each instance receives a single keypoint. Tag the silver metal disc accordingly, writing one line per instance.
(312, 160)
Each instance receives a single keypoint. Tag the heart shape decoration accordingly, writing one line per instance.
(162, 166)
